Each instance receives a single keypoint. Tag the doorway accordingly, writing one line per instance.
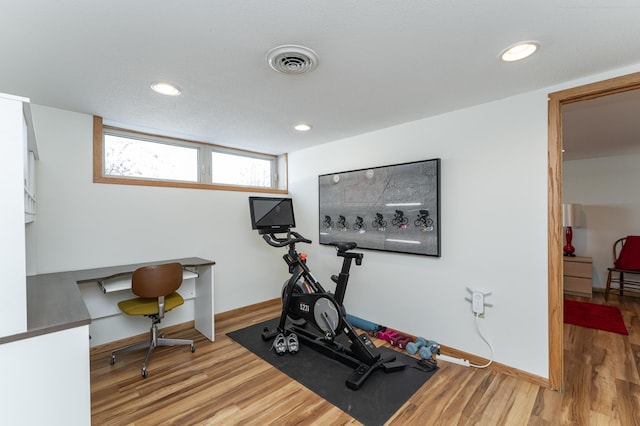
(554, 182)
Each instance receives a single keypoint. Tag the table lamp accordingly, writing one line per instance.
(570, 219)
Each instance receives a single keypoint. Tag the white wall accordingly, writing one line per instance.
(83, 225)
(609, 196)
(494, 229)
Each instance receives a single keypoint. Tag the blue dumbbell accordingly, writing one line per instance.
(414, 347)
(429, 349)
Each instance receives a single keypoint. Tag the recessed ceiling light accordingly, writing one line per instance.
(302, 127)
(165, 88)
(519, 51)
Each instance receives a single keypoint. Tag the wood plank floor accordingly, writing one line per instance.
(224, 384)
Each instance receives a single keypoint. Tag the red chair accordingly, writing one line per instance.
(625, 274)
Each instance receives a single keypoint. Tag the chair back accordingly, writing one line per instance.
(157, 280)
(617, 248)
(629, 256)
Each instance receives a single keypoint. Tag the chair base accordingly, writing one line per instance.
(155, 340)
(621, 283)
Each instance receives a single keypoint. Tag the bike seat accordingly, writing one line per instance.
(343, 246)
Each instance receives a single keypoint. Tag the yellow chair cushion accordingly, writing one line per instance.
(144, 306)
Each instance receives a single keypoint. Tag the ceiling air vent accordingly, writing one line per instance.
(292, 59)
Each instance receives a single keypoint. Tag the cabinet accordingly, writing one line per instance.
(39, 354)
(578, 271)
(17, 136)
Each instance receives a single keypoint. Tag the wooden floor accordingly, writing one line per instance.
(224, 384)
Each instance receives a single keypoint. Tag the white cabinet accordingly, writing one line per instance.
(578, 272)
(46, 379)
(44, 355)
(17, 145)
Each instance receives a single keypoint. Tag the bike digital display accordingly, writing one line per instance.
(271, 215)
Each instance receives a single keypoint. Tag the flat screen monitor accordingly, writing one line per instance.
(271, 215)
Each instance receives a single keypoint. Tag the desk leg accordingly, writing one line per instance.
(204, 302)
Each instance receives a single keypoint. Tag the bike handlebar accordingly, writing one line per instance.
(274, 241)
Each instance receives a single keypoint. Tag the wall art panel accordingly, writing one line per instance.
(392, 208)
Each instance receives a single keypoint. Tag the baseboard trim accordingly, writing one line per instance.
(496, 366)
(269, 304)
(247, 309)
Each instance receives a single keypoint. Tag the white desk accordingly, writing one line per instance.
(103, 288)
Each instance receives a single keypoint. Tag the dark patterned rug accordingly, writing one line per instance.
(374, 403)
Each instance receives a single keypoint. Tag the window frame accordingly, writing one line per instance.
(279, 164)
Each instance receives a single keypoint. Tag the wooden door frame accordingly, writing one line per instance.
(555, 236)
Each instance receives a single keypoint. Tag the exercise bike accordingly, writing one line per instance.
(306, 302)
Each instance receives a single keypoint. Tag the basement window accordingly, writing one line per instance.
(242, 169)
(128, 157)
(138, 158)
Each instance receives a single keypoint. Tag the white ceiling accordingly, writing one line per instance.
(382, 62)
(602, 127)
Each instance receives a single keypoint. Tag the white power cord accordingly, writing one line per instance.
(486, 341)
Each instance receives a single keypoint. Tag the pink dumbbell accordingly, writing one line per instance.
(388, 334)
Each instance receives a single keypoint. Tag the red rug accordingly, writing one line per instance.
(590, 315)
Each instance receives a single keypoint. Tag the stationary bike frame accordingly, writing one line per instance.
(302, 304)
(315, 305)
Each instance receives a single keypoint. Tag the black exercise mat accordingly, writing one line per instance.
(381, 395)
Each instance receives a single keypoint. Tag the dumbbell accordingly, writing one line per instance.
(427, 351)
(379, 329)
(414, 347)
(395, 340)
(402, 342)
(387, 335)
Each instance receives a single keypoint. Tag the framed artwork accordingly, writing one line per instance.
(392, 208)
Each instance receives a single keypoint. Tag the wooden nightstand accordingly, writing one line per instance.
(577, 275)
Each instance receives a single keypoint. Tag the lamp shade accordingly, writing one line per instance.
(571, 216)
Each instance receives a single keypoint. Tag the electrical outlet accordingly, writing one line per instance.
(477, 302)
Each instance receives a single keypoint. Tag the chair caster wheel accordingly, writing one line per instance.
(145, 373)
(112, 360)
(193, 348)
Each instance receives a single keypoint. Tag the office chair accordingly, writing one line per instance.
(156, 287)
(626, 264)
